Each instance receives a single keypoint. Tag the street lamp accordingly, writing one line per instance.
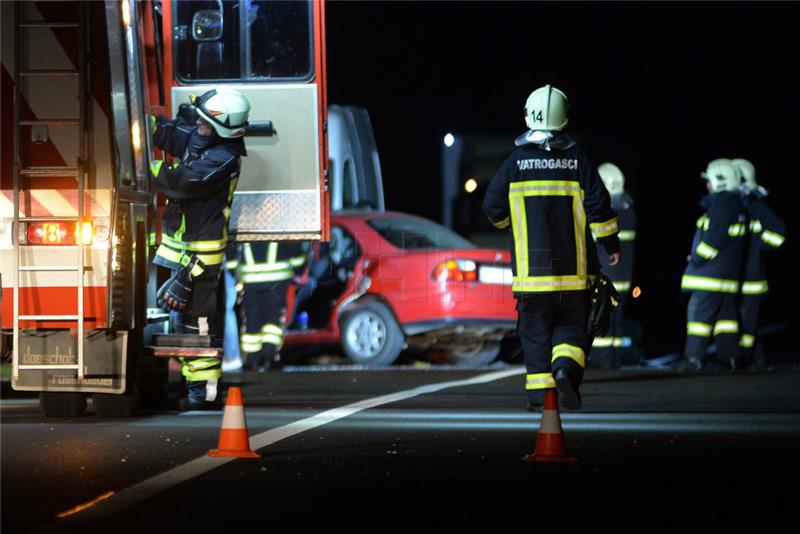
(452, 150)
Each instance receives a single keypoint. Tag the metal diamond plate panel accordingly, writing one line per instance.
(276, 212)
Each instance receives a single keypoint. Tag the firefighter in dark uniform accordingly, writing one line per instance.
(549, 195)
(266, 269)
(714, 267)
(607, 352)
(766, 232)
(206, 140)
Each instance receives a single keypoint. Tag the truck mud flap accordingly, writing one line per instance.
(105, 358)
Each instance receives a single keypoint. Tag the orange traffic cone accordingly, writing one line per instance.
(233, 439)
(550, 445)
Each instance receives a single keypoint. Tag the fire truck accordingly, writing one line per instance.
(79, 220)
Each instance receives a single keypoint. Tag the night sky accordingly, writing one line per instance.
(660, 89)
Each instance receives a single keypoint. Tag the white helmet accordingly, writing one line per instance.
(722, 175)
(546, 109)
(612, 178)
(225, 109)
(747, 173)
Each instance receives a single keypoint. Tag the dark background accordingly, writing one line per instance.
(660, 89)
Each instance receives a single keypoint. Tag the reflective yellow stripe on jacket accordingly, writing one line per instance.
(522, 282)
(705, 283)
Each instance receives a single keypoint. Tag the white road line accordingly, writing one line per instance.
(147, 488)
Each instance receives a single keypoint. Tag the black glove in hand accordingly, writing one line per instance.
(188, 113)
(175, 293)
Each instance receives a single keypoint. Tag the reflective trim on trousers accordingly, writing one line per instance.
(540, 381)
(726, 327)
(698, 329)
(604, 342)
(565, 350)
(197, 369)
(747, 341)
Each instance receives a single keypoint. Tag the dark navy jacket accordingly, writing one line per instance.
(200, 191)
(621, 273)
(553, 201)
(717, 250)
(766, 232)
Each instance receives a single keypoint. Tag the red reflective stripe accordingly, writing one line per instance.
(55, 301)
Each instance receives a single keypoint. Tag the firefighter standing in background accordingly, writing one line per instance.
(715, 264)
(207, 143)
(607, 351)
(549, 195)
(766, 232)
(265, 271)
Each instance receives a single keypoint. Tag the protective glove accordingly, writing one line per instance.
(176, 292)
(188, 113)
(603, 299)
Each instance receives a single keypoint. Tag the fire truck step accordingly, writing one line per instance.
(186, 345)
(182, 340)
(186, 352)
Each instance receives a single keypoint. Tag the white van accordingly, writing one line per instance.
(354, 168)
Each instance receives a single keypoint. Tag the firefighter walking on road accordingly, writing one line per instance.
(266, 269)
(549, 195)
(766, 232)
(713, 269)
(607, 351)
(206, 140)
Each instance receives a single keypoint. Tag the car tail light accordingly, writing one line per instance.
(59, 233)
(456, 271)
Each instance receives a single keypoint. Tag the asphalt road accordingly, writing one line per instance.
(411, 450)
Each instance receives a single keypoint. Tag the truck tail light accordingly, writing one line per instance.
(59, 233)
(456, 271)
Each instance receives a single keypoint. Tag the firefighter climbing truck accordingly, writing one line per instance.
(79, 220)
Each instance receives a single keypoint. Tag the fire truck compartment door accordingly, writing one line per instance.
(278, 195)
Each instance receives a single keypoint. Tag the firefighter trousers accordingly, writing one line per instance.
(607, 351)
(748, 311)
(264, 310)
(206, 309)
(711, 314)
(553, 332)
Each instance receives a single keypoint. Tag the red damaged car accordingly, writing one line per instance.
(390, 281)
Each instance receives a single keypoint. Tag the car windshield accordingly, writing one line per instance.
(414, 233)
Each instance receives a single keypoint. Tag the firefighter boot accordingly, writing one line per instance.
(568, 395)
(196, 399)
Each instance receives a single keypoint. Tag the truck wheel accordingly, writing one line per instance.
(480, 354)
(62, 404)
(370, 335)
(111, 405)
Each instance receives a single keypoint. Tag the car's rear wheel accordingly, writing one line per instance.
(478, 355)
(370, 335)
